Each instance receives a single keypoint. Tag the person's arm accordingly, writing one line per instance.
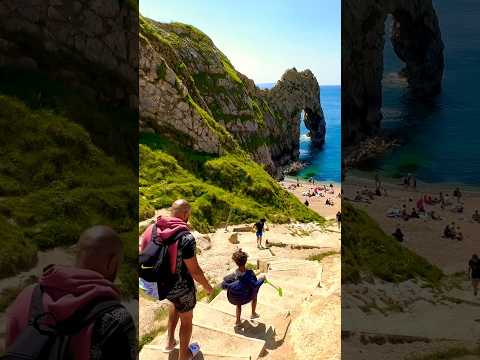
(197, 273)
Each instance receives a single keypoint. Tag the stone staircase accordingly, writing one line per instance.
(213, 323)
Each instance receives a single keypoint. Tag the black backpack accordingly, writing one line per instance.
(39, 341)
(155, 264)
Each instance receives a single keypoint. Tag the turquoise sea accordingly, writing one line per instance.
(441, 137)
(324, 164)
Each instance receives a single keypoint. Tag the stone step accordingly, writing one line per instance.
(290, 299)
(205, 314)
(300, 273)
(275, 316)
(214, 343)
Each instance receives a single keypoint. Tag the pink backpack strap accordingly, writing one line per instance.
(147, 236)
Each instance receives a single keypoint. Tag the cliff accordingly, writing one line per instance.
(190, 92)
(416, 39)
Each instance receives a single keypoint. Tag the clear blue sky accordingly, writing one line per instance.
(262, 38)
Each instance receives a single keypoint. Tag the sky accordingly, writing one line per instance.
(263, 38)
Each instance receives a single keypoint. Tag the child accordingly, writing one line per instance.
(242, 285)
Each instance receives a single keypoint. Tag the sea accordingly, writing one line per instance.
(323, 164)
(441, 138)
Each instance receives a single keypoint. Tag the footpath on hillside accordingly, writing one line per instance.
(304, 323)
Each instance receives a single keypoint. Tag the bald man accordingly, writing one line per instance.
(66, 290)
(183, 294)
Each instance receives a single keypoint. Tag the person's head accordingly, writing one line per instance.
(240, 258)
(262, 220)
(475, 257)
(100, 249)
(181, 209)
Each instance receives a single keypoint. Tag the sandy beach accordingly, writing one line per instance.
(316, 203)
(423, 235)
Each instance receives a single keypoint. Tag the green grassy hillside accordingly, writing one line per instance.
(367, 251)
(216, 186)
(54, 183)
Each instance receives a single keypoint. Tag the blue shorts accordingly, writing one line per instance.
(259, 233)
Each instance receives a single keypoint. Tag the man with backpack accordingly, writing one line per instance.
(75, 312)
(167, 257)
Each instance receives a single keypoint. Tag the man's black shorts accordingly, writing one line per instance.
(186, 302)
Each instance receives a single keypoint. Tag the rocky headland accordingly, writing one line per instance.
(190, 91)
(416, 40)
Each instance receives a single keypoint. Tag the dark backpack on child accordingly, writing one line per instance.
(155, 264)
(39, 341)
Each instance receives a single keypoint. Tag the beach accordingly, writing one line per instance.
(316, 203)
(424, 235)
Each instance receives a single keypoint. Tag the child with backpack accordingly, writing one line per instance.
(242, 285)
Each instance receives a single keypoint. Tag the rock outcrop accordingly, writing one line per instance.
(416, 40)
(89, 43)
(190, 92)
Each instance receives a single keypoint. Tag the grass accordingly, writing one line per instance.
(202, 294)
(49, 189)
(367, 251)
(49, 194)
(159, 317)
(18, 252)
(452, 353)
(216, 186)
(321, 256)
(39, 92)
(9, 294)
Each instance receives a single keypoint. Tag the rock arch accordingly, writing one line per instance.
(295, 92)
(416, 40)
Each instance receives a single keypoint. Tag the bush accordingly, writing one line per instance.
(228, 186)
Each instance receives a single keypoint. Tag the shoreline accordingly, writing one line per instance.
(365, 176)
(423, 235)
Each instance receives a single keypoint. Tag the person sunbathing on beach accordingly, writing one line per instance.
(450, 232)
(398, 234)
(447, 232)
(458, 194)
(420, 206)
(242, 286)
(434, 216)
(442, 201)
(476, 216)
(414, 214)
(459, 235)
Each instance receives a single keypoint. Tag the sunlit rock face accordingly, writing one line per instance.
(189, 90)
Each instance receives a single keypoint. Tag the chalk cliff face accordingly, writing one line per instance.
(189, 91)
(416, 39)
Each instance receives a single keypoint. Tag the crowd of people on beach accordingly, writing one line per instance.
(315, 191)
(424, 207)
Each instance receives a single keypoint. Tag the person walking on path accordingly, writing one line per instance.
(182, 294)
(242, 286)
(66, 292)
(260, 228)
(474, 272)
